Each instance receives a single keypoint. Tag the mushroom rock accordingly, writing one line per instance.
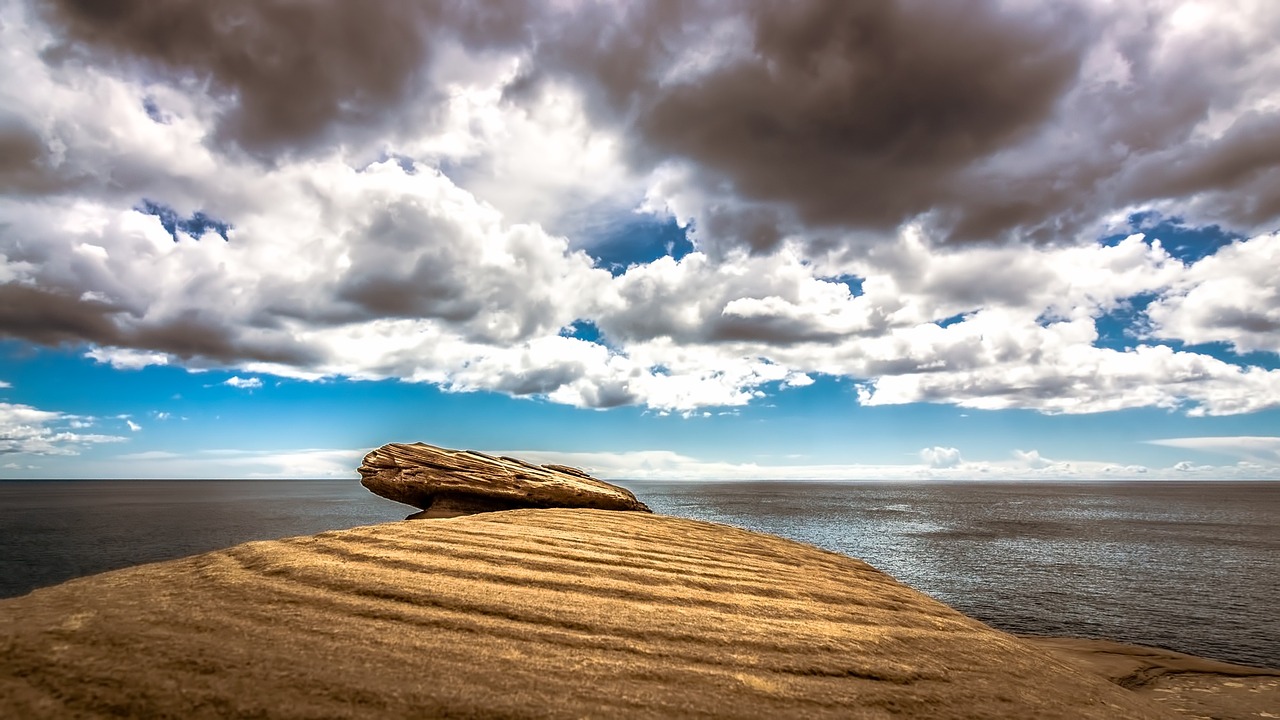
(448, 483)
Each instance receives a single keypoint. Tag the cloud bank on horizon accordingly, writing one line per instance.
(989, 204)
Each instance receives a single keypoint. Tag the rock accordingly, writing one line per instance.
(562, 613)
(1193, 686)
(447, 483)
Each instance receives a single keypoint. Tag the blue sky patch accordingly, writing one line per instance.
(1182, 241)
(853, 282)
(584, 330)
(154, 112)
(195, 226)
(639, 241)
(1122, 328)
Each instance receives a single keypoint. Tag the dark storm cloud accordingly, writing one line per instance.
(759, 228)
(50, 317)
(849, 113)
(772, 331)
(856, 112)
(1138, 140)
(207, 335)
(295, 73)
(790, 116)
(21, 149)
(25, 167)
(970, 115)
(1243, 162)
(54, 317)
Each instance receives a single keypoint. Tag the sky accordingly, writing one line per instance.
(885, 240)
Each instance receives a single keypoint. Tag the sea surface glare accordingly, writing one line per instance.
(1194, 567)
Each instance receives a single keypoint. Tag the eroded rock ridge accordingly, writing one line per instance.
(560, 613)
(447, 483)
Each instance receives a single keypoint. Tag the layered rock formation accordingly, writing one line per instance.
(447, 483)
(527, 613)
(1193, 686)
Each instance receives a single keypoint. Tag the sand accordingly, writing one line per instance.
(526, 613)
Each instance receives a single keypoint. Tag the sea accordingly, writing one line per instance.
(1188, 566)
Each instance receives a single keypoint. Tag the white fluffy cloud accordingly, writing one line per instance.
(941, 457)
(30, 431)
(1231, 297)
(996, 362)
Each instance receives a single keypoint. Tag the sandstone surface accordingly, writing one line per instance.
(527, 613)
(447, 483)
(1191, 686)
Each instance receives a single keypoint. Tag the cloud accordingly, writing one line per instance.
(1261, 449)
(125, 358)
(1125, 469)
(816, 117)
(133, 426)
(149, 455)
(1229, 297)
(435, 223)
(979, 119)
(1032, 459)
(1080, 378)
(258, 59)
(26, 430)
(236, 381)
(226, 463)
(667, 465)
(941, 457)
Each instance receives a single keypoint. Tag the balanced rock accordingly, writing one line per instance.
(447, 483)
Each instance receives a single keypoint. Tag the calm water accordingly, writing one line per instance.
(55, 531)
(1188, 566)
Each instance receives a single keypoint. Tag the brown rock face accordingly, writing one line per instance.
(447, 483)
(1192, 686)
(561, 613)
